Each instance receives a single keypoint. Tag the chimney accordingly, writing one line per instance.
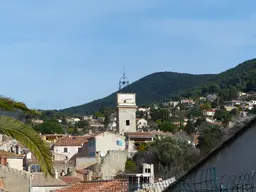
(88, 176)
(151, 180)
(1, 183)
(56, 174)
(90, 132)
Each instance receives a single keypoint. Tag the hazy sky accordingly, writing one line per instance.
(59, 53)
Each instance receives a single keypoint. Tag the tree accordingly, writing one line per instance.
(190, 127)
(83, 124)
(173, 156)
(253, 110)
(25, 134)
(49, 127)
(234, 112)
(166, 126)
(162, 114)
(140, 114)
(195, 112)
(210, 136)
(130, 166)
(75, 131)
(64, 121)
(205, 106)
(98, 114)
(199, 121)
(222, 115)
(233, 93)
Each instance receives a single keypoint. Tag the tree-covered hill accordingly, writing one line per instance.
(165, 85)
(152, 88)
(242, 77)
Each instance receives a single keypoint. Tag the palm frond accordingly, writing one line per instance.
(30, 139)
(8, 104)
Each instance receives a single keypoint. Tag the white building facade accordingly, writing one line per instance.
(103, 142)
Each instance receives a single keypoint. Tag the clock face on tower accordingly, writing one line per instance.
(126, 99)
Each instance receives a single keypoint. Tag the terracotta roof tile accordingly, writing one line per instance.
(98, 186)
(9, 154)
(72, 141)
(70, 179)
(75, 140)
(82, 171)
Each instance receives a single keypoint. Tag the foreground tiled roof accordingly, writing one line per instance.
(98, 186)
(39, 180)
(9, 154)
(71, 141)
(70, 179)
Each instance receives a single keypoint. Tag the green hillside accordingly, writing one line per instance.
(165, 85)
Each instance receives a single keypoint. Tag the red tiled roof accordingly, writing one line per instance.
(98, 186)
(211, 110)
(82, 171)
(70, 179)
(72, 141)
(9, 154)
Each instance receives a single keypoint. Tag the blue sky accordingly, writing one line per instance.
(60, 53)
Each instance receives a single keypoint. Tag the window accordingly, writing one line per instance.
(127, 122)
(119, 142)
(65, 150)
(147, 170)
(92, 154)
(91, 142)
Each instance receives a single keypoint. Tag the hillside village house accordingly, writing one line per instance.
(102, 142)
(11, 160)
(233, 157)
(52, 138)
(112, 123)
(233, 103)
(142, 123)
(69, 146)
(209, 113)
(133, 138)
(188, 101)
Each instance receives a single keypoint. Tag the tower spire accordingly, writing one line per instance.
(123, 82)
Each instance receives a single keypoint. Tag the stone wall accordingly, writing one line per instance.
(113, 163)
(84, 162)
(15, 180)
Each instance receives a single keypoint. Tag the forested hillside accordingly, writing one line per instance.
(152, 88)
(165, 85)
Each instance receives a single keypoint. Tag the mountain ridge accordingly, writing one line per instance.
(161, 86)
